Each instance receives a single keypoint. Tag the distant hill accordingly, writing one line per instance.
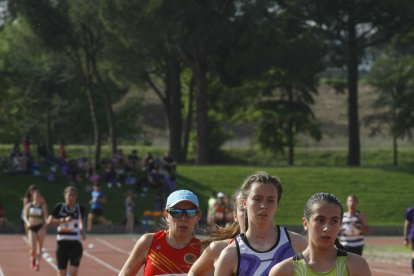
(330, 110)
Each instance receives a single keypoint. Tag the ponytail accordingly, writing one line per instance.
(221, 233)
(339, 245)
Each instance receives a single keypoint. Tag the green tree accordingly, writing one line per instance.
(147, 57)
(73, 28)
(351, 27)
(392, 75)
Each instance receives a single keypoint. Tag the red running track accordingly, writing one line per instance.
(109, 253)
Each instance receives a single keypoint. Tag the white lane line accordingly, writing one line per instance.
(389, 272)
(1, 271)
(113, 246)
(49, 261)
(101, 262)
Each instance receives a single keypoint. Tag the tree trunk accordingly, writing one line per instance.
(175, 117)
(110, 112)
(48, 132)
(95, 122)
(89, 60)
(395, 150)
(290, 127)
(189, 119)
(353, 123)
(202, 109)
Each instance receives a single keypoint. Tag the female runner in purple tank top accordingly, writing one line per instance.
(264, 244)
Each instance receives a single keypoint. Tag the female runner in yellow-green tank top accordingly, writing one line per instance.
(324, 254)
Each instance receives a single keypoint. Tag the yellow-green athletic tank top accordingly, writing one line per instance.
(300, 268)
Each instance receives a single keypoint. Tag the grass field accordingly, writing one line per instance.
(384, 193)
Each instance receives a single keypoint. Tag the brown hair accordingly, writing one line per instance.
(70, 188)
(220, 233)
(354, 197)
(327, 198)
(265, 178)
(27, 195)
(260, 177)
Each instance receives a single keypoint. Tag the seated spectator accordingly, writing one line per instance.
(133, 160)
(120, 163)
(85, 167)
(169, 162)
(41, 151)
(111, 176)
(26, 144)
(73, 171)
(169, 179)
(148, 162)
(17, 161)
(62, 151)
(157, 180)
(3, 220)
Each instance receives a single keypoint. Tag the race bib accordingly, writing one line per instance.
(67, 226)
(35, 211)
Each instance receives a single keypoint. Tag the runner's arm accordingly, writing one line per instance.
(299, 243)
(406, 225)
(363, 227)
(357, 265)
(205, 263)
(138, 256)
(227, 262)
(25, 211)
(284, 268)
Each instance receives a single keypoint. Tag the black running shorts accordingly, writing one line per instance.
(68, 250)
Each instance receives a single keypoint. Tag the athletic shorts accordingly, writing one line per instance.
(357, 250)
(68, 250)
(97, 212)
(36, 228)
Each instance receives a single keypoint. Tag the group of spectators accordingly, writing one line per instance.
(130, 170)
(141, 173)
(220, 210)
(23, 161)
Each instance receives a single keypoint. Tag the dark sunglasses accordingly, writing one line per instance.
(178, 213)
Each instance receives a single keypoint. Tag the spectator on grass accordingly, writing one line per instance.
(98, 198)
(169, 162)
(120, 164)
(220, 210)
(409, 232)
(41, 151)
(3, 220)
(111, 176)
(129, 212)
(26, 145)
(85, 167)
(62, 151)
(148, 162)
(228, 214)
(211, 211)
(73, 171)
(17, 161)
(354, 226)
(133, 160)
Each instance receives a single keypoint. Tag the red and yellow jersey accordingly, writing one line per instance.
(162, 259)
